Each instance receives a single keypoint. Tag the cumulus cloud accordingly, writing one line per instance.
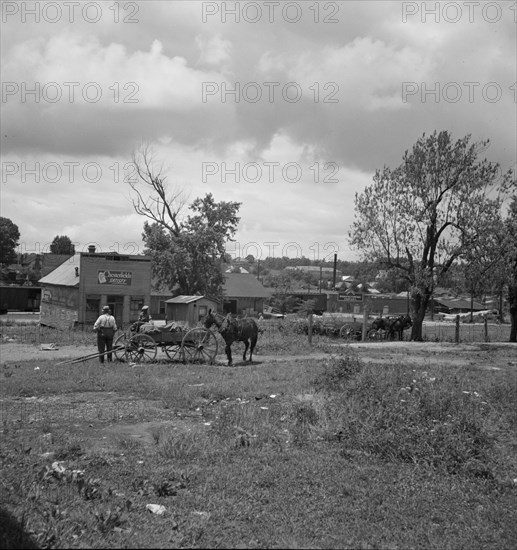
(294, 160)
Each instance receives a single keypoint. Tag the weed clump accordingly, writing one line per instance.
(403, 414)
(338, 371)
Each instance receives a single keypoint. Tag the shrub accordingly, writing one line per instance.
(338, 370)
(398, 413)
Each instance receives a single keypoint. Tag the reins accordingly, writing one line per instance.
(228, 318)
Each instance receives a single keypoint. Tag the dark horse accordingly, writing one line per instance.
(392, 325)
(241, 330)
(381, 323)
(399, 325)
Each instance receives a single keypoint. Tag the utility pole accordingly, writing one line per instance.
(334, 273)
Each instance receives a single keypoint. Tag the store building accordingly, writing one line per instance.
(74, 293)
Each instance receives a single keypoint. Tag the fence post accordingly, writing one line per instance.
(457, 335)
(310, 329)
(485, 322)
(366, 311)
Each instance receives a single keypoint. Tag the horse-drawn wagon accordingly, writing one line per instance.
(179, 343)
(384, 328)
(381, 328)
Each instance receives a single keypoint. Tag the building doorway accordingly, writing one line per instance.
(230, 306)
(116, 304)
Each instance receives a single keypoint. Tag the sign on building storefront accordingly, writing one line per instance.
(350, 297)
(115, 277)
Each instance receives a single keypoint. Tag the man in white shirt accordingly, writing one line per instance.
(105, 327)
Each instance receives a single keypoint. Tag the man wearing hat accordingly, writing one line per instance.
(144, 316)
(143, 319)
(105, 327)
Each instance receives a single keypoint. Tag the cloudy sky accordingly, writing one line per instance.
(287, 107)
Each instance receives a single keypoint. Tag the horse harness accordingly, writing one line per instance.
(234, 327)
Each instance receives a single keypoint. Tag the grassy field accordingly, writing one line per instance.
(289, 453)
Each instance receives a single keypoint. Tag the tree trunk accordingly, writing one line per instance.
(419, 303)
(512, 299)
(501, 314)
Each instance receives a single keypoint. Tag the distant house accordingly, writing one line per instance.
(312, 269)
(235, 269)
(243, 294)
(455, 305)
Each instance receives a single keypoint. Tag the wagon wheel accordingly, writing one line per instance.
(374, 334)
(173, 351)
(347, 332)
(141, 348)
(119, 347)
(199, 345)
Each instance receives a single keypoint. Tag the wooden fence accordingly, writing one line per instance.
(432, 331)
(32, 333)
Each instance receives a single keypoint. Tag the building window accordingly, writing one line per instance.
(162, 307)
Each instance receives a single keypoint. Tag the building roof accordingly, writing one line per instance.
(243, 285)
(64, 274)
(50, 261)
(183, 299)
(311, 268)
(231, 268)
(458, 303)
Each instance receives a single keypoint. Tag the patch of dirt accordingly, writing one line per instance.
(102, 421)
(12, 352)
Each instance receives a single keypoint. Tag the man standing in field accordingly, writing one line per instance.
(105, 327)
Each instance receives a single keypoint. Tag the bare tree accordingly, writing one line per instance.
(185, 241)
(151, 196)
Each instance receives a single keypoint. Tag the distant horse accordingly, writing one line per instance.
(241, 330)
(399, 325)
(381, 323)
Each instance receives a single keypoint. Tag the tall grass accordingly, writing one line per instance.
(447, 418)
(34, 333)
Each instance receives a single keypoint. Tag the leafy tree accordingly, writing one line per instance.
(492, 260)
(394, 281)
(509, 256)
(62, 245)
(422, 216)
(9, 237)
(281, 281)
(186, 242)
(285, 303)
(483, 267)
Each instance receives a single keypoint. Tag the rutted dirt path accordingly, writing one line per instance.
(417, 352)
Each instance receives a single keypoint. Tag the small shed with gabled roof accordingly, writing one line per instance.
(189, 309)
